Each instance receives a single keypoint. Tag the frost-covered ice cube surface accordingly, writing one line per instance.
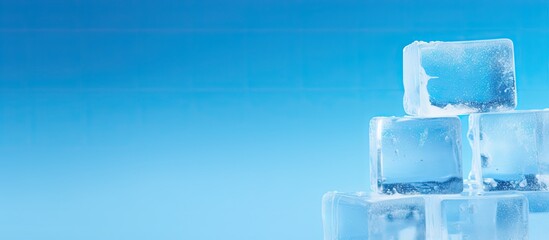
(538, 202)
(452, 78)
(353, 216)
(478, 216)
(510, 150)
(411, 155)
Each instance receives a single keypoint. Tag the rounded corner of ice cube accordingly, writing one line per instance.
(453, 118)
(410, 46)
(374, 124)
(456, 121)
(507, 41)
(375, 119)
(327, 215)
(328, 196)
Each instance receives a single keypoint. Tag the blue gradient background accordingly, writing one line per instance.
(213, 119)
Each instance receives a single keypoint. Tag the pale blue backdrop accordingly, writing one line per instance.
(213, 119)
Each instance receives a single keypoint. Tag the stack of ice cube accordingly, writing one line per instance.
(418, 191)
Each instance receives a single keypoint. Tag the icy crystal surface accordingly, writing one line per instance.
(510, 150)
(412, 155)
(452, 78)
(363, 216)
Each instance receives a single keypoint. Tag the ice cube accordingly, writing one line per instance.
(477, 216)
(510, 150)
(411, 155)
(538, 202)
(350, 216)
(451, 78)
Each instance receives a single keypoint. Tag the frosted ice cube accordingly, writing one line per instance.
(510, 150)
(351, 216)
(412, 155)
(451, 78)
(538, 202)
(474, 216)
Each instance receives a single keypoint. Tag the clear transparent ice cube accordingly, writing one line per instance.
(452, 78)
(478, 216)
(538, 202)
(510, 150)
(410, 155)
(351, 216)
